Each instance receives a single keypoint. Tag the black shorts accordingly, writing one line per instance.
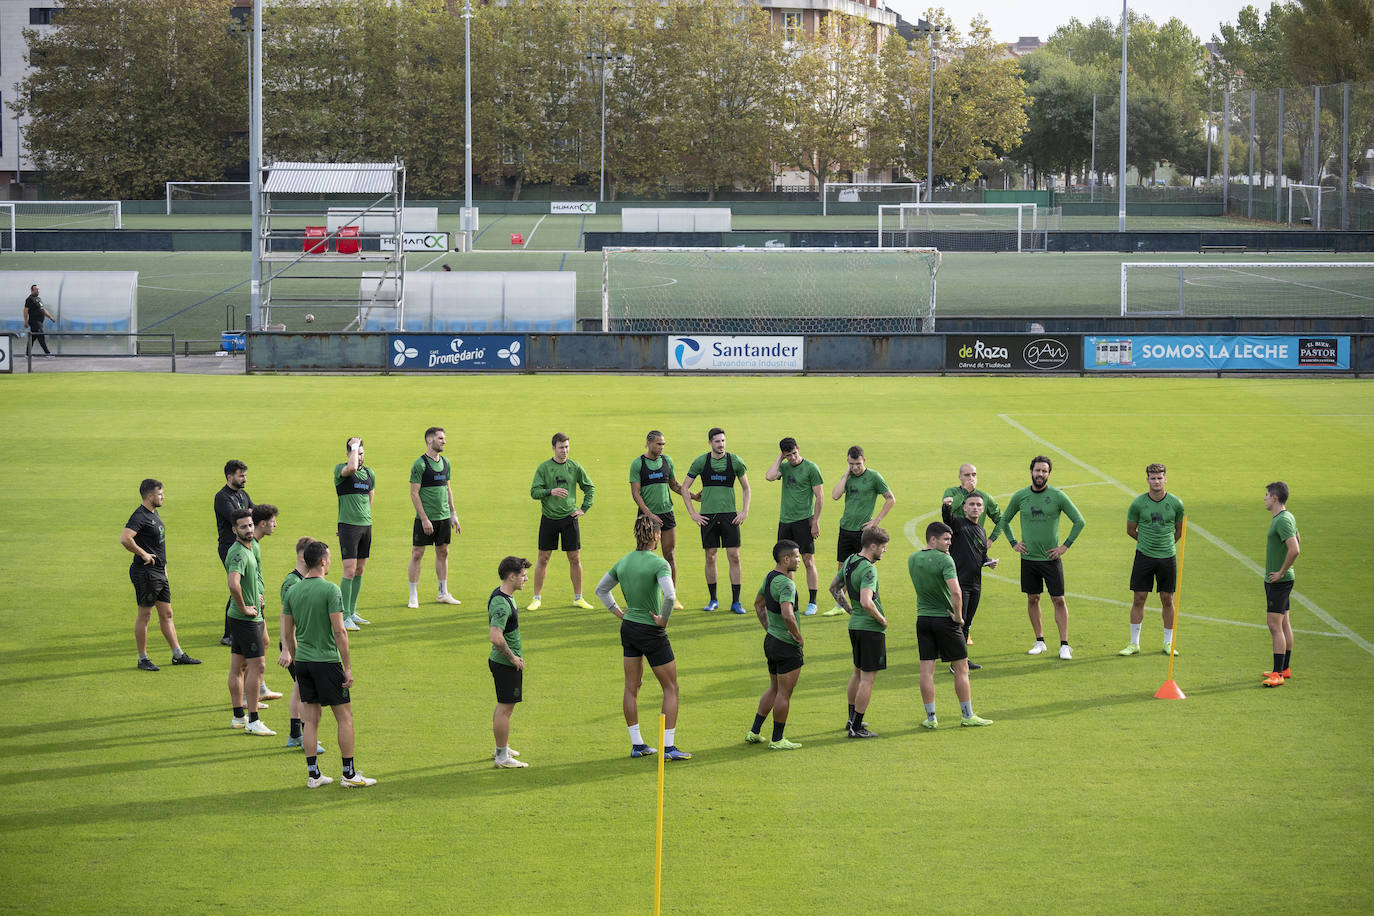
(509, 681)
(321, 683)
(246, 638)
(869, 649)
(940, 638)
(1276, 596)
(1042, 575)
(783, 657)
(443, 533)
(849, 543)
(646, 640)
(355, 541)
(800, 533)
(150, 585)
(554, 530)
(720, 530)
(666, 520)
(1150, 574)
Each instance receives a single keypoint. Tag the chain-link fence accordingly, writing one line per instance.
(1302, 157)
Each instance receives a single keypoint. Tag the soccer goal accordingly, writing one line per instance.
(868, 192)
(1265, 288)
(1305, 205)
(208, 196)
(797, 290)
(998, 226)
(7, 234)
(68, 214)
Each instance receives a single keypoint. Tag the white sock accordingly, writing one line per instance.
(1135, 634)
(577, 597)
(443, 586)
(502, 753)
(1169, 636)
(414, 591)
(536, 596)
(668, 736)
(634, 735)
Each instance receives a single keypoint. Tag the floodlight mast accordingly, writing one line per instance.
(255, 167)
(467, 125)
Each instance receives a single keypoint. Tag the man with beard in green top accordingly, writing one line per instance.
(799, 509)
(647, 584)
(718, 520)
(653, 481)
(860, 486)
(855, 588)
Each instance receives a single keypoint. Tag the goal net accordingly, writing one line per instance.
(1265, 288)
(988, 226)
(208, 197)
(68, 214)
(868, 193)
(1305, 205)
(796, 290)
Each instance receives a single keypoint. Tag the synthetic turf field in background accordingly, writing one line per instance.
(127, 790)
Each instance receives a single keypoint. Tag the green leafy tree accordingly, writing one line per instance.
(126, 95)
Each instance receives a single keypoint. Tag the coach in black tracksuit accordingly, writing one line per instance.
(969, 549)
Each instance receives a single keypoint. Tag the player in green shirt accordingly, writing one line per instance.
(505, 660)
(294, 577)
(315, 642)
(653, 481)
(555, 485)
(855, 588)
(1040, 506)
(647, 584)
(247, 629)
(968, 485)
(718, 520)
(860, 486)
(354, 483)
(436, 519)
(1155, 522)
(776, 607)
(1281, 551)
(264, 525)
(940, 622)
(799, 509)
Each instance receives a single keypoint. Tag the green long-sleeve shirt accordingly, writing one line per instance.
(569, 475)
(1040, 520)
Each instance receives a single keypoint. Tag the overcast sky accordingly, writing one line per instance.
(1011, 19)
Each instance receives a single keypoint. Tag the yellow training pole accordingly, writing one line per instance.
(1170, 690)
(658, 853)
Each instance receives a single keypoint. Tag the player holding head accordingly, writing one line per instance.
(940, 621)
(505, 661)
(354, 483)
(855, 588)
(969, 549)
(1155, 522)
(776, 607)
(647, 584)
(1281, 550)
(719, 522)
(967, 486)
(314, 639)
(555, 485)
(145, 537)
(1040, 506)
(653, 482)
(799, 510)
(436, 518)
(248, 630)
(231, 496)
(860, 486)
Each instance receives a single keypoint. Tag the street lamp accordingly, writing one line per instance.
(603, 57)
(1121, 135)
(930, 30)
(467, 126)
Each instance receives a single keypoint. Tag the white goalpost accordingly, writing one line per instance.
(1025, 226)
(742, 290)
(204, 192)
(1310, 195)
(1263, 288)
(7, 235)
(869, 192)
(67, 214)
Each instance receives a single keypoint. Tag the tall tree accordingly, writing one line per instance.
(126, 95)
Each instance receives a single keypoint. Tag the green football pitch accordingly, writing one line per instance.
(127, 791)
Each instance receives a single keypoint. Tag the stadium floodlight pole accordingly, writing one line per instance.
(467, 125)
(1092, 157)
(930, 29)
(255, 167)
(1121, 134)
(602, 57)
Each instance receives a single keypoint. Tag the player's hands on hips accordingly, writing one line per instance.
(560, 492)
(577, 513)
(1055, 553)
(1020, 547)
(1272, 577)
(519, 663)
(348, 677)
(426, 526)
(284, 659)
(250, 611)
(149, 559)
(658, 619)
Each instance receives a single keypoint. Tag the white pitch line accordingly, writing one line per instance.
(530, 238)
(1226, 548)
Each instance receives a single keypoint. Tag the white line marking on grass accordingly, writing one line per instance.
(1226, 548)
(530, 238)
